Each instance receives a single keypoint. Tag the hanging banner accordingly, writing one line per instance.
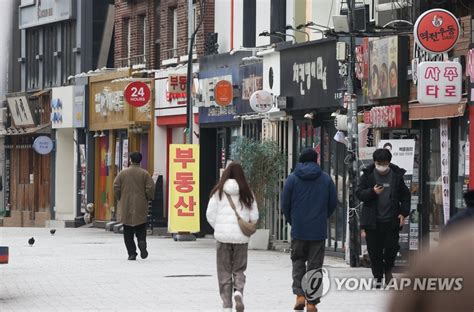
(403, 155)
(445, 167)
(183, 208)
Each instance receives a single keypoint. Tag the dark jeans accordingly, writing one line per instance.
(382, 245)
(306, 256)
(231, 266)
(129, 232)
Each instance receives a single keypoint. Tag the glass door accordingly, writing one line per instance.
(432, 213)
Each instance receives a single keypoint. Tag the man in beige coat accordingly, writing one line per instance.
(134, 188)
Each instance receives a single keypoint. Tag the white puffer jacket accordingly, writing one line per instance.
(222, 218)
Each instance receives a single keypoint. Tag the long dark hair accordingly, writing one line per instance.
(234, 171)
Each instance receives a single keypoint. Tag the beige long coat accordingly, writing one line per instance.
(133, 188)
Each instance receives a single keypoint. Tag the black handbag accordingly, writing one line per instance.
(247, 228)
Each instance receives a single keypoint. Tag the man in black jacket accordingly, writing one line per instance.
(386, 205)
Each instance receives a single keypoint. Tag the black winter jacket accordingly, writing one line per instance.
(400, 197)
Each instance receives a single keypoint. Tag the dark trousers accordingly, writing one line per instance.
(382, 245)
(129, 232)
(306, 256)
(231, 265)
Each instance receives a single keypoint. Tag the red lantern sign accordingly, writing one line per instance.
(436, 31)
(137, 93)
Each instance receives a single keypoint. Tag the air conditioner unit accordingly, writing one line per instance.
(361, 16)
(391, 10)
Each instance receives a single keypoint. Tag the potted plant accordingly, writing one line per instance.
(264, 165)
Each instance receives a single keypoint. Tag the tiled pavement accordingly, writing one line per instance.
(87, 270)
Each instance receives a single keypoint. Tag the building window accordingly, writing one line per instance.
(142, 39)
(126, 41)
(68, 57)
(32, 64)
(175, 32)
(50, 40)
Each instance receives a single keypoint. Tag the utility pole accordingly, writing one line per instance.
(189, 75)
(354, 237)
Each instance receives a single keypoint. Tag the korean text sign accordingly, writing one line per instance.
(183, 201)
(439, 82)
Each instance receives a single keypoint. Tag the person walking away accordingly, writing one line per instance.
(231, 195)
(308, 200)
(134, 188)
(463, 216)
(386, 205)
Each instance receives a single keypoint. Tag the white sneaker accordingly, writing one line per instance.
(227, 310)
(239, 302)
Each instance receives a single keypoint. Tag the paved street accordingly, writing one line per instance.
(87, 270)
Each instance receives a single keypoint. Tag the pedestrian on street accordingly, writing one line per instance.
(462, 217)
(308, 200)
(386, 205)
(231, 197)
(134, 188)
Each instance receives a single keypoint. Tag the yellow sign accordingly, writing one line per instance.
(183, 208)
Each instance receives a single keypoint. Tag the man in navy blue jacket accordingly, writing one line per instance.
(308, 199)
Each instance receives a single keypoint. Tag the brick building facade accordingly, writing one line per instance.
(135, 33)
(149, 31)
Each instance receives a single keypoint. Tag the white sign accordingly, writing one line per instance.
(261, 101)
(439, 82)
(445, 167)
(20, 111)
(67, 107)
(403, 153)
(43, 145)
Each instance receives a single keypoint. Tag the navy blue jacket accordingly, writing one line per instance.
(309, 198)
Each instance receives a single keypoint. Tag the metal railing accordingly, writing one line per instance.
(132, 61)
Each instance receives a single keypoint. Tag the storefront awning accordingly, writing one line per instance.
(42, 129)
(426, 112)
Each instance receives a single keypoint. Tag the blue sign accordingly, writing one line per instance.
(43, 145)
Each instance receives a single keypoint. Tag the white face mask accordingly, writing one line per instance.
(381, 169)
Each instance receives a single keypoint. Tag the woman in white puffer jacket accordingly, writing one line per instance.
(232, 244)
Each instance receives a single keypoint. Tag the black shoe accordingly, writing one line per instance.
(388, 276)
(132, 257)
(377, 284)
(143, 251)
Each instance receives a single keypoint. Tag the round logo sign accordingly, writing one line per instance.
(261, 101)
(43, 145)
(137, 93)
(436, 31)
(223, 93)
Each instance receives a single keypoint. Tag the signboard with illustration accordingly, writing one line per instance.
(20, 111)
(387, 74)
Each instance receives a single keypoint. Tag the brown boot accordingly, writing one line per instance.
(311, 308)
(300, 303)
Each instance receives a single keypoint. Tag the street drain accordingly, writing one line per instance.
(188, 275)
